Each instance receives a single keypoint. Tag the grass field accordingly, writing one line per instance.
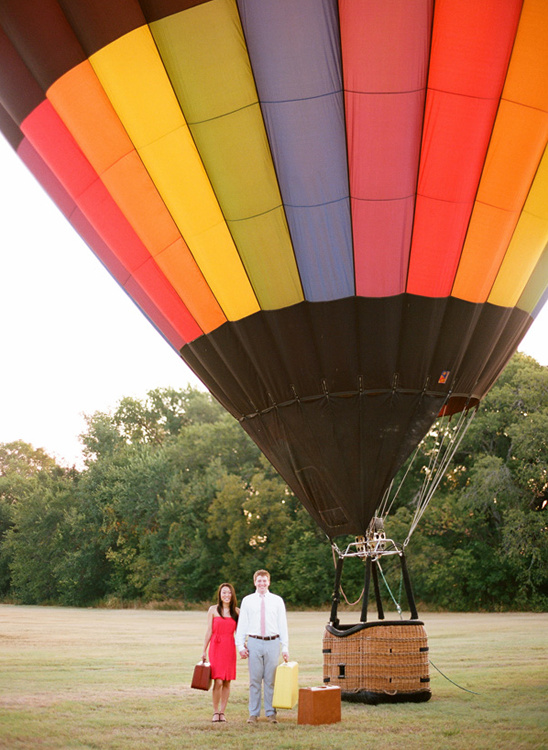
(119, 680)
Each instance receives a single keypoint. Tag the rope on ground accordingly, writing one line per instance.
(451, 681)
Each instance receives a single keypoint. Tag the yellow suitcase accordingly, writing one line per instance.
(286, 685)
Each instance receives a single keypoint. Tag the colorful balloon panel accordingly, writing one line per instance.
(335, 211)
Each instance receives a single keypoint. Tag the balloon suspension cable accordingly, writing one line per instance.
(398, 600)
(386, 503)
(440, 459)
(374, 544)
(370, 548)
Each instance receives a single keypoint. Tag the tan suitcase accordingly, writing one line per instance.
(319, 705)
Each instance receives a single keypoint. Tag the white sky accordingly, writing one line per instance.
(72, 341)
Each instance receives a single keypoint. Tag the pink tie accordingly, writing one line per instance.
(263, 618)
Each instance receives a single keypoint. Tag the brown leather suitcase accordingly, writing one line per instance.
(319, 705)
(201, 678)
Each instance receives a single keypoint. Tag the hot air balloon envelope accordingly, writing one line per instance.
(337, 212)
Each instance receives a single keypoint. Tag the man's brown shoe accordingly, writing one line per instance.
(253, 720)
(272, 719)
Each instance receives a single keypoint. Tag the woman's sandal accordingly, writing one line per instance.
(224, 718)
(215, 720)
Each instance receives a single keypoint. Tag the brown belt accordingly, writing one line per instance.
(265, 637)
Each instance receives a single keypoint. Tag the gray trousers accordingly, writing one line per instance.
(263, 661)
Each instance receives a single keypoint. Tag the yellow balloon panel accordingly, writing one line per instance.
(204, 52)
(176, 170)
(134, 78)
(527, 244)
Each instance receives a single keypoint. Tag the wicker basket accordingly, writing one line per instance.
(378, 662)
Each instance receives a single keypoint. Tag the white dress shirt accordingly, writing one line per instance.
(249, 620)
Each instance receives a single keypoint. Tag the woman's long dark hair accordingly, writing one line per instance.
(233, 601)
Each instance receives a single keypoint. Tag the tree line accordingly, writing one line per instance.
(174, 499)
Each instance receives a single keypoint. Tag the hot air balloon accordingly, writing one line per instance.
(336, 212)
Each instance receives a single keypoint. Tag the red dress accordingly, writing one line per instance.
(222, 649)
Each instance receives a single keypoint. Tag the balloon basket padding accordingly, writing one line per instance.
(378, 662)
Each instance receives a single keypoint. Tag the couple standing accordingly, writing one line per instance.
(260, 632)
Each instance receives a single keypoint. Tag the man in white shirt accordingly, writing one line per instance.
(263, 622)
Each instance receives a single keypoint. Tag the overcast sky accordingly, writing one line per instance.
(72, 341)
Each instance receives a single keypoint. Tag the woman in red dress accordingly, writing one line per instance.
(222, 619)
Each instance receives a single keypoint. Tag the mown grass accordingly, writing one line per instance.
(119, 679)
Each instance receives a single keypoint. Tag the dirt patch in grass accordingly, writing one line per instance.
(93, 697)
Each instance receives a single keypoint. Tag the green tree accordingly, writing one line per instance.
(309, 565)
(251, 518)
(25, 472)
(529, 456)
(101, 438)
(35, 541)
(176, 498)
(480, 545)
(155, 485)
